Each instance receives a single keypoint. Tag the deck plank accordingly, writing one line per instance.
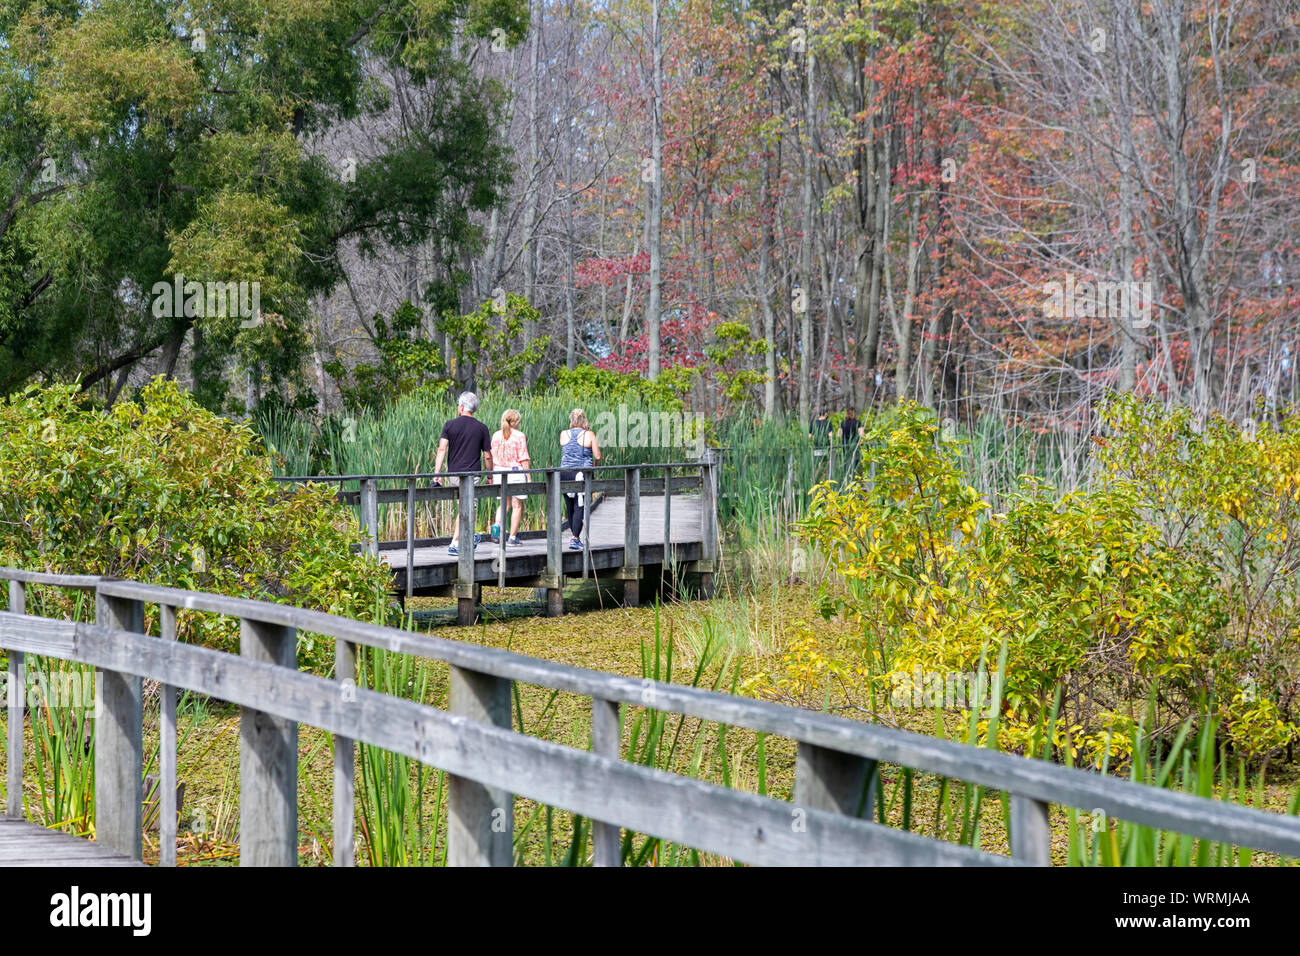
(27, 844)
(434, 564)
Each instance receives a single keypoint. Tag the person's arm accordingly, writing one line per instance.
(596, 456)
(487, 450)
(442, 456)
(524, 460)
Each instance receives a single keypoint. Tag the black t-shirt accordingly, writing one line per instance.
(821, 430)
(467, 438)
(849, 430)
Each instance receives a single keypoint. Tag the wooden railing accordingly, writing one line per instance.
(628, 481)
(837, 761)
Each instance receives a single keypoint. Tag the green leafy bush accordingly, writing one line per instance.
(163, 491)
(610, 386)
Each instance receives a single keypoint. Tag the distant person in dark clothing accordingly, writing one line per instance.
(820, 428)
(850, 428)
(850, 434)
(466, 445)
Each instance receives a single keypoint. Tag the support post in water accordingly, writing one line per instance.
(554, 547)
(465, 603)
(370, 515)
(708, 521)
(630, 572)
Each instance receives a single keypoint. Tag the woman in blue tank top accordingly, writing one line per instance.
(579, 450)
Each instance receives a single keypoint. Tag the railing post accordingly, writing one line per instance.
(370, 515)
(586, 525)
(167, 752)
(554, 547)
(268, 759)
(503, 535)
(17, 698)
(480, 820)
(465, 563)
(410, 534)
(630, 572)
(1031, 832)
(119, 744)
(345, 672)
(667, 566)
(830, 780)
(606, 838)
(708, 521)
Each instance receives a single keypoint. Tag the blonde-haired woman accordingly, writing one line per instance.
(510, 454)
(579, 450)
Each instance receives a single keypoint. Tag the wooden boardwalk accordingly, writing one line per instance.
(489, 763)
(26, 844)
(435, 571)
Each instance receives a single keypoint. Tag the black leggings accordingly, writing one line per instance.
(572, 510)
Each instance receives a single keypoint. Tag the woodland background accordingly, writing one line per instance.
(821, 203)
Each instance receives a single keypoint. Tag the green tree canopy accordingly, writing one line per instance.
(142, 140)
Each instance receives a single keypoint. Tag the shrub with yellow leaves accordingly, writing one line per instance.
(1168, 581)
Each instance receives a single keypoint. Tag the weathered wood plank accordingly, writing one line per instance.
(1039, 780)
(345, 672)
(1031, 832)
(465, 604)
(554, 547)
(167, 751)
(119, 743)
(606, 740)
(28, 844)
(370, 515)
(631, 570)
(480, 819)
(268, 757)
(737, 825)
(837, 782)
(17, 693)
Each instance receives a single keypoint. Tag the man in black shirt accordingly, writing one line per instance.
(850, 432)
(464, 439)
(819, 429)
(850, 428)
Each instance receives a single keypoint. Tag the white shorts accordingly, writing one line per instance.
(513, 478)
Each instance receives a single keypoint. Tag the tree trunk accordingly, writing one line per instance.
(656, 198)
(805, 241)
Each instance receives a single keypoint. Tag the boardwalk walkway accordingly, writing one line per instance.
(26, 844)
(435, 569)
(838, 762)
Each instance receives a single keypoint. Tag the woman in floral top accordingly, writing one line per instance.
(510, 454)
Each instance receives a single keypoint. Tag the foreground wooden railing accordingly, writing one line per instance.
(628, 481)
(836, 766)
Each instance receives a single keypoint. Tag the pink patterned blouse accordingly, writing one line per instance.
(509, 452)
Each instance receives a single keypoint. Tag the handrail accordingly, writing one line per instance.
(478, 474)
(699, 557)
(827, 744)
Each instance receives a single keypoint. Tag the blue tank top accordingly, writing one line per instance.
(573, 456)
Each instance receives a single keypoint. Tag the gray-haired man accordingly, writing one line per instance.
(464, 439)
